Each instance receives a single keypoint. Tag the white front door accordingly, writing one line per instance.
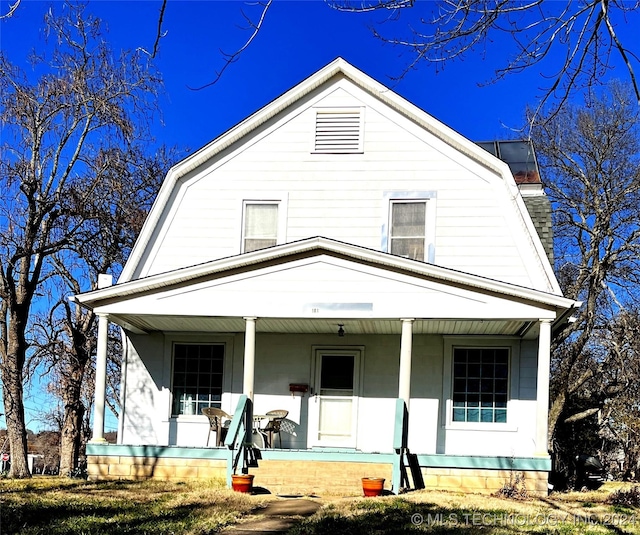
(333, 407)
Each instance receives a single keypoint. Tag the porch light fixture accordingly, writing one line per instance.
(340, 329)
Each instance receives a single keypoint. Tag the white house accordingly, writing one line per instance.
(343, 256)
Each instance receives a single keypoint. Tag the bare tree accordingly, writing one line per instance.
(574, 43)
(620, 419)
(70, 372)
(591, 160)
(66, 336)
(56, 133)
(602, 414)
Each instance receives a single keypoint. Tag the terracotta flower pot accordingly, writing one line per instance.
(372, 486)
(242, 482)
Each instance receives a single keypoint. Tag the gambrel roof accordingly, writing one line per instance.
(337, 70)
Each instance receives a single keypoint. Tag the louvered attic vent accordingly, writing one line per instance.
(338, 131)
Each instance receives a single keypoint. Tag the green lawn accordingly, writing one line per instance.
(53, 506)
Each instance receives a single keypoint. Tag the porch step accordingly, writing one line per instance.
(316, 478)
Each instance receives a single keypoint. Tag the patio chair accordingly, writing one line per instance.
(216, 423)
(273, 427)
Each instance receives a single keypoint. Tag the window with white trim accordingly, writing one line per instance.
(407, 228)
(480, 384)
(339, 131)
(260, 225)
(409, 223)
(197, 377)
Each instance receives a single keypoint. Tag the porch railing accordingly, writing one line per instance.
(404, 459)
(242, 454)
(239, 439)
(398, 478)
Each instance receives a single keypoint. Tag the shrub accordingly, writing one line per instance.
(628, 497)
(514, 489)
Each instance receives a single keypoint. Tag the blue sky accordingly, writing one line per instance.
(298, 38)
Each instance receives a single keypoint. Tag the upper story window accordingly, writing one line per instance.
(408, 229)
(260, 227)
(409, 224)
(339, 131)
(197, 377)
(262, 220)
(480, 384)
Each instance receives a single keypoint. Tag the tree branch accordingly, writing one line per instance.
(369, 5)
(12, 9)
(235, 56)
(621, 50)
(581, 415)
(159, 33)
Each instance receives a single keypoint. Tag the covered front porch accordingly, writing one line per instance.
(381, 443)
(379, 360)
(314, 472)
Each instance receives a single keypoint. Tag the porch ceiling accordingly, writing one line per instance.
(151, 323)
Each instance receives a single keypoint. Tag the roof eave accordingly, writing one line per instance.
(164, 280)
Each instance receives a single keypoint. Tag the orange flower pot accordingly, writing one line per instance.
(242, 482)
(372, 486)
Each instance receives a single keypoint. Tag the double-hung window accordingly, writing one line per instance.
(197, 377)
(480, 384)
(408, 223)
(260, 225)
(408, 229)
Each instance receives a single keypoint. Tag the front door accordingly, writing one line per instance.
(333, 406)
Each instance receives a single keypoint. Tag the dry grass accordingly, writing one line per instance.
(54, 506)
(450, 512)
(62, 506)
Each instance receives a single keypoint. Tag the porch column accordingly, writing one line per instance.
(101, 379)
(406, 340)
(542, 388)
(249, 356)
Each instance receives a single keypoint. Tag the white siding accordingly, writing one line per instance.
(480, 228)
(517, 436)
(144, 402)
(340, 196)
(281, 360)
(288, 291)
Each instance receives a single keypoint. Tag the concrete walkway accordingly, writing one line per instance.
(277, 517)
